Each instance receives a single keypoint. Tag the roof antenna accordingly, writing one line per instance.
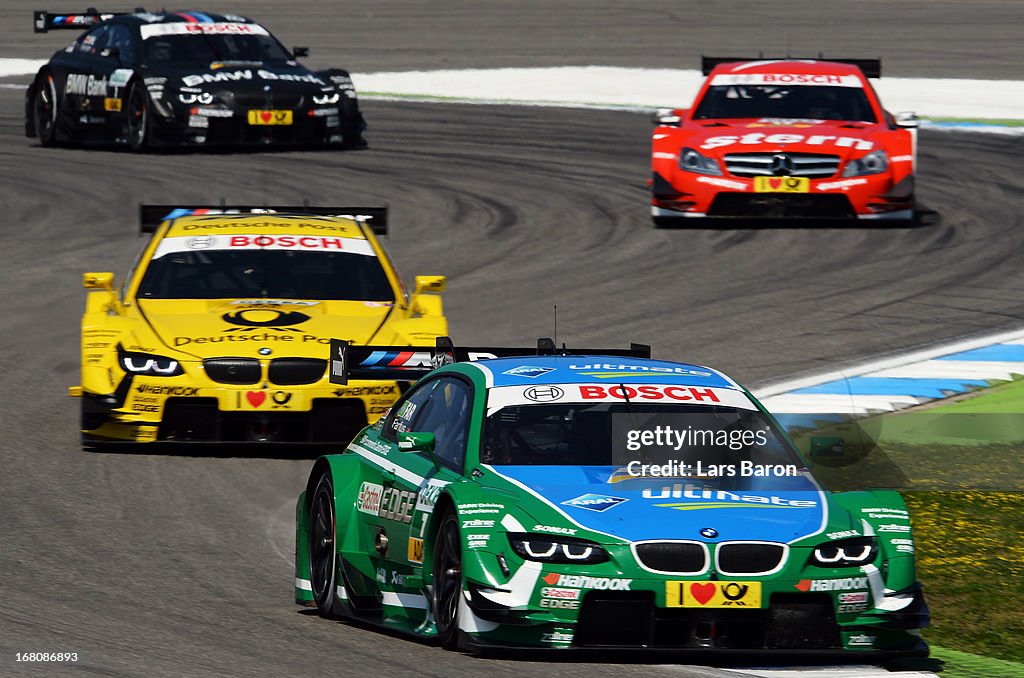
(556, 324)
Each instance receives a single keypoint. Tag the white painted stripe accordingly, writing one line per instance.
(822, 403)
(9, 67)
(653, 88)
(303, 584)
(889, 363)
(953, 369)
(387, 465)
(407, 600)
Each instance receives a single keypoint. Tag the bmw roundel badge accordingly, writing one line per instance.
(709, 532)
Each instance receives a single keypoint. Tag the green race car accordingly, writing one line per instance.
(513, 498)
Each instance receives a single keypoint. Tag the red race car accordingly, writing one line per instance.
(784, 138)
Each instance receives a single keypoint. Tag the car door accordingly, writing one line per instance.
(113, 65)
(387, 502)
(446, 414)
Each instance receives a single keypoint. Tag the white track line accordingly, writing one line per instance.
(1012, 337)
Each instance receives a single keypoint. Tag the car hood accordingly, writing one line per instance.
(597, 498)
(716, 138)
(218, 327)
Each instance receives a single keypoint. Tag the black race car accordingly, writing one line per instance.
(184, 78)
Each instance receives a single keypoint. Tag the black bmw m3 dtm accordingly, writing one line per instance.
(184, 78)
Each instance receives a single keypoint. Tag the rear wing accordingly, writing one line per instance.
(871, 68)
(409, 363)
(43, 21)
(151, 216)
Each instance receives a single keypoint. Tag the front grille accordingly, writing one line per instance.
(774, 205)
(672, 556)
(622, 619)
(260, 101)
(815, 166)
(233, 370)
(331, 420)
(296, 371)
(743, 558)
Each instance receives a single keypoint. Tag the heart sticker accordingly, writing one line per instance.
(702, 593)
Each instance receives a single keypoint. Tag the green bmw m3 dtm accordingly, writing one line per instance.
(496, 506)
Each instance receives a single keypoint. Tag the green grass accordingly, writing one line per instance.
(971, 561)
(1006, 399)
(970, 545)
(958, 465)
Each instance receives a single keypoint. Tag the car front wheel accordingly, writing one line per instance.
(323, 554)
(447, 590)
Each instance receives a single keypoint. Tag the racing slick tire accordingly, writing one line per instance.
(352, 124)
(46, 110)
(323, 555)
(446, 593)
(138, 126)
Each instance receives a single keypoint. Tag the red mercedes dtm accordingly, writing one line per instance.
(784, 138)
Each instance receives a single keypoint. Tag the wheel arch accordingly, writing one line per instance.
(445, 505)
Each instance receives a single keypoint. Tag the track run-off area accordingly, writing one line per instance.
(173, 565)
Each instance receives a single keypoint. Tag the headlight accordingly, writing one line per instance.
(327, 98)
(693, 161)
(874, 162)
(845, 552)
(546, 549)
(149, 364)
(189, 98)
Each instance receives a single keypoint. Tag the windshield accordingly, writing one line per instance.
(203, 49)
(799, 102)
(278, 274)
(582, 434)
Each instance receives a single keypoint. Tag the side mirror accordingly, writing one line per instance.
(431, 283)
(416, 441)
(907, 119)
(111, 53)
(669, 117)
(98, 281)
(300, 52)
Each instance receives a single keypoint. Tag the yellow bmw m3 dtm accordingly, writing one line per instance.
(219, 332)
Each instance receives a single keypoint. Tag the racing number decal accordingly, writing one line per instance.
(718, 594)
(782, 184)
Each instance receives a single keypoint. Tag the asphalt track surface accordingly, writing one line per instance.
(181, 565)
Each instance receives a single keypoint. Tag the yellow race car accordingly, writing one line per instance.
(220, 331)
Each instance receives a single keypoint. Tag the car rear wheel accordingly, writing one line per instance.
(138, 125)
(447, 590)
(323, 556)
(46, 111)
